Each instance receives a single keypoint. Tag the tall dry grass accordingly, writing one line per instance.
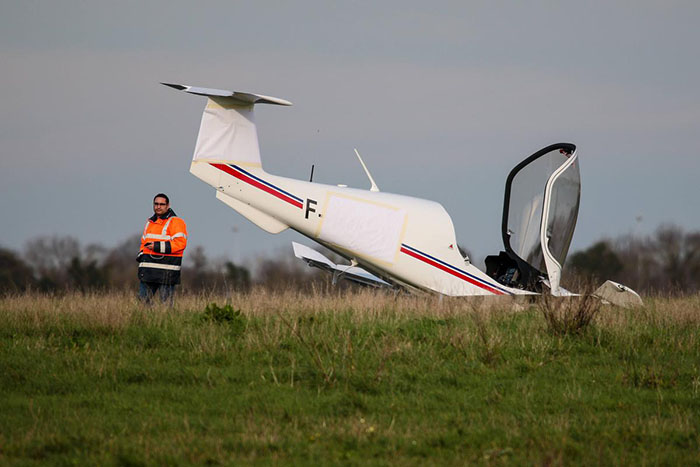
(115, 310)
(477, 326)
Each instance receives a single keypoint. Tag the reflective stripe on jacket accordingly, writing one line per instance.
(169, 236)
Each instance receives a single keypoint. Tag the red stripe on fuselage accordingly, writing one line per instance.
(448, 270)
(257, 184)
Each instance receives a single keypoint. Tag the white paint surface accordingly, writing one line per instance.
(228, 133)
(366, 228)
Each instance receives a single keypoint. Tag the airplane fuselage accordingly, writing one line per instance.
(404, 239)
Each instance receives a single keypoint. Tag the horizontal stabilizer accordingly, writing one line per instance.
(352, 273)
(245, 98)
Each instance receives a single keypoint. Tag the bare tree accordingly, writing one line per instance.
(678, 255)
(51, 253)
(120, 263)
(50, 257)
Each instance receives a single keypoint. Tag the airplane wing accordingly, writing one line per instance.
(352, 273)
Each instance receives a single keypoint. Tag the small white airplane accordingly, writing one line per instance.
(390, 239)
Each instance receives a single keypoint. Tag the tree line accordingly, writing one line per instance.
(665, 262)
(54, 264)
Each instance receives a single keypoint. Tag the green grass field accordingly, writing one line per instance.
(357, 378)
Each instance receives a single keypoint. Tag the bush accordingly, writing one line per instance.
(568, 315)
(225, 315)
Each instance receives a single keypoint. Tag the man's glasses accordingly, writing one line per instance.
(160, 204)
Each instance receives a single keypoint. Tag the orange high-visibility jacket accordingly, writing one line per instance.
(162, 264)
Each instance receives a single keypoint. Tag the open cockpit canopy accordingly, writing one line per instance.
(539, 216)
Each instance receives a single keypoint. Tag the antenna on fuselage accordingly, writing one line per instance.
(311, 178)
(374, 186)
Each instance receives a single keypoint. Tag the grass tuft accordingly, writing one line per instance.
(221, 314)
(568, 316)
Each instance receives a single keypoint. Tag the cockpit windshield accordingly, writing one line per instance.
(563, 212)
(525, 192)
(539, 216)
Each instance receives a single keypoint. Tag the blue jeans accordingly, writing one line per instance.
(148, 289)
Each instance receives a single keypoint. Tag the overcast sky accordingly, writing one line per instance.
(442, 99)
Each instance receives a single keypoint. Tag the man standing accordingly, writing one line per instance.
(160, 258)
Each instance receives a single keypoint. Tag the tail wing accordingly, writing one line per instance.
(244, 98)
(227, 132)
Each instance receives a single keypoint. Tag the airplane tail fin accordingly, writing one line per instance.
(227, 132)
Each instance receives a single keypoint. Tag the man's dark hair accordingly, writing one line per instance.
(162, 195)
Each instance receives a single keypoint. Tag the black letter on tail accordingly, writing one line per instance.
(309, 209)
